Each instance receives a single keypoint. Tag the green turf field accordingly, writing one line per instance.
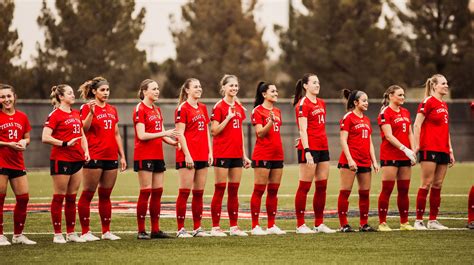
(454, 246)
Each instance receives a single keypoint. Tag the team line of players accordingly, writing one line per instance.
(86, 145)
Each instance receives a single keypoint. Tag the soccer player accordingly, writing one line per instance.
(313, 154)
(14, 138)
(194, 157)
(433, 144)
(148, 157)
(229, 154)
(356, 158)
(100, 123)
(63, 130)
(267, 157)
(396, 155)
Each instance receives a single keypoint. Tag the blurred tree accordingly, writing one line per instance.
(91, 38)
(343, 44)
(219, 37)
(10, 45)
(442, 39)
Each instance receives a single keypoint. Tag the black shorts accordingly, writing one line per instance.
(154, 165)
(432, 156)
(318, 156)
(395, 163)
(228, 162)
(12, 173)
(359, 169)
(268, 164)
(58, 167)
(101, 164)
(197, 164)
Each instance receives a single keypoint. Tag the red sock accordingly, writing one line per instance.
(384, 199)
(343, 206)
(56, 211)
(2, 202)
(196, 206)
(470, 211)
(155, 208)
(19, 213)
(142, 207)
(181, 207)
(105, 209)
(300, 201)
(272, 202)
(403, 201)
(70, 212)
(364, 203)
(84, 209)
(435, 201)
(233, 203)
(255, 201)
(216, 204)
(319, 201)
(421, 203)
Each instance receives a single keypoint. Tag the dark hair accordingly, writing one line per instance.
(299, 87)
(183, 95)
(86, 88)
(430, 82)
(351, 96)
(144, 86)
(386, 96)
(261, 88)
(5, 86)
(56, 92)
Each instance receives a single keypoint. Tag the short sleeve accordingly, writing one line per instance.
(116, 113)
(425, 107)
(84, 111)
(51, 121)
(206, 115)
(345, 124)
(257, 118)
(302, 110)
(180, 115)
(216, 113)
(139, 115)
(27, 124)
(383, 119)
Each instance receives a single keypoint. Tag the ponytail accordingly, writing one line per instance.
(86, 88)
(300, 87)
(430, 83)
(183, 95)
(56, 92)
(386, 95)
(350, 96)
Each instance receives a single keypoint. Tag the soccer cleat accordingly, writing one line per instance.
(383, 227)
(435, 225)
(59, 239)
(366, 228)
(418, 225)
(303, 229)
(109, 236)
(322, 228)
(258, 231)
(406, 227)
(143, 236)
(159, 234)
(73, 237)
(235, 231)
(346, 229)
(182, 233)
(89, 237)
(200, 233)
(22, 239)
(470, 225)
(217, 231)
(275, 230)
(4, 241)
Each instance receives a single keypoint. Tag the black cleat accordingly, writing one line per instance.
(143, 236)
(159, 234)
(470, 225)
(346, 229)
(366, 228)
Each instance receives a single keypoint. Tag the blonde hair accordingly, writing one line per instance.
(144, 86)
(430, 83)
(56, 92)
(183, 95)
(386, 96)
(86, 88)
(225, 79)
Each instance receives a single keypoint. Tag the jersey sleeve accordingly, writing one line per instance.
(84, 111)
(51, 121)
(216, 113)
(345, 124)
(206, 115)
(116, 114)
(180, 115)
(27, 124)
(257, 118)
(139, 115)
(383, 119)
(302, 110)
(425, 107)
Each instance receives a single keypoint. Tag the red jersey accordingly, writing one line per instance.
(228, 143)
(358, 140)
(12, 129)
(153, 121)
(66, 126)
(400, 124)
(101, 133)
(435, 128)
(196, 133)
(268, 147)
(315, 113)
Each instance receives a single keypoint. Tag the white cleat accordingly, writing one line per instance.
(4, 241)
(419, 225)
(235, 231)
(182, 233)
(22, 239)
(217, 231)
(435, 225)
(89, 237)
(73, 237)
(275, 230)
(200, 233)
(59, 239)
(258, 231)
(109, 236)
(322, 228)
(303, 229)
